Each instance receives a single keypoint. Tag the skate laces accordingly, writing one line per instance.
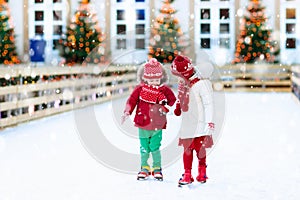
(145, 169)
(157, 170)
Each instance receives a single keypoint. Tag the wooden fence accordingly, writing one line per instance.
(254, 78)
(29, 93)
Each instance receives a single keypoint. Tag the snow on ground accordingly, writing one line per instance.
(257, 157)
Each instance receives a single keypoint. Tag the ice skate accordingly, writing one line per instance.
(144, 173)
(186, 179)
(157, 174)
(201, 174)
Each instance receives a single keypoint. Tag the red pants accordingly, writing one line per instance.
(199, 144)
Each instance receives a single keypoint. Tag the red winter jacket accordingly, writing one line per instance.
(148, 115)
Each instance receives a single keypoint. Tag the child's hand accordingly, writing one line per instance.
(211, 126)
(124, 117)
(177, 110)
(164, 110)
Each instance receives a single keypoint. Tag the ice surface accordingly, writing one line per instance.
(257, 157)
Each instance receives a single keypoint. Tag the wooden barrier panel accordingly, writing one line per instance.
(296, 81)
(29, 93)
(253, 78)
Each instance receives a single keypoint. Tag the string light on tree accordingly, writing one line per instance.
(166, 35)
(247, 40)
(83, 35)
(254, 42)
(8, 53)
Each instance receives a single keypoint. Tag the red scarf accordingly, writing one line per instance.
(152, 94)
(184, 91)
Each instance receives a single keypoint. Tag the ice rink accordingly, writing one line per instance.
(256, 157)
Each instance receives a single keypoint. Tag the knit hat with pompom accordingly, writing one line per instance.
(153, 69)
(182, 66)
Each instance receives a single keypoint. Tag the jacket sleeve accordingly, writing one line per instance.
(171, 98)
(133, 100)
(206, 94)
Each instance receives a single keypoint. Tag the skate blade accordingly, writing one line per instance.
(158, 178)
(202, 182)
(184, 184)
(141, 178)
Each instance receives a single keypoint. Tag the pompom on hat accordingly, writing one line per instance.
(153, 69)
(182, 66)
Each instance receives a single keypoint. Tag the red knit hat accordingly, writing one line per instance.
(182, 65)
(153, 69)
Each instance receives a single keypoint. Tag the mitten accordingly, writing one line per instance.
(124, 117)
(177, 110)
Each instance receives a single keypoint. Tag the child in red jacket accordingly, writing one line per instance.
(149, 99)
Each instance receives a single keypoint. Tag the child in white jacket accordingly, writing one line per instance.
(195, 96)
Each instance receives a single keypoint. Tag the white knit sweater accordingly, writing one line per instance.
(200, 113)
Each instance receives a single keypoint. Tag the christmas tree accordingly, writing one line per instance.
(8, 54)
(83, 35)
(255, 43)
(166, 35)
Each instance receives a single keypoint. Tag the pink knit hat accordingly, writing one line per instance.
(182, 66)
(153, 69)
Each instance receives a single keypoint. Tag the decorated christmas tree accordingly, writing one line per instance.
(8, 53)
(254, 42)
(83, 35)
(166, 35)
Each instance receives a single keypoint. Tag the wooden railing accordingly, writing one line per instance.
(256, 78)
(296, 81)
(29, 93)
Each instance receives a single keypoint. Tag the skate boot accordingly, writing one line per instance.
(144, 173)
(201, 174)
(186, 179)
(157, 174)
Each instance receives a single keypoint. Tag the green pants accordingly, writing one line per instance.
(150, 143)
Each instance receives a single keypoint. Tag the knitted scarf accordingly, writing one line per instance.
(183, 95)
(152, 94)
(184, 91)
